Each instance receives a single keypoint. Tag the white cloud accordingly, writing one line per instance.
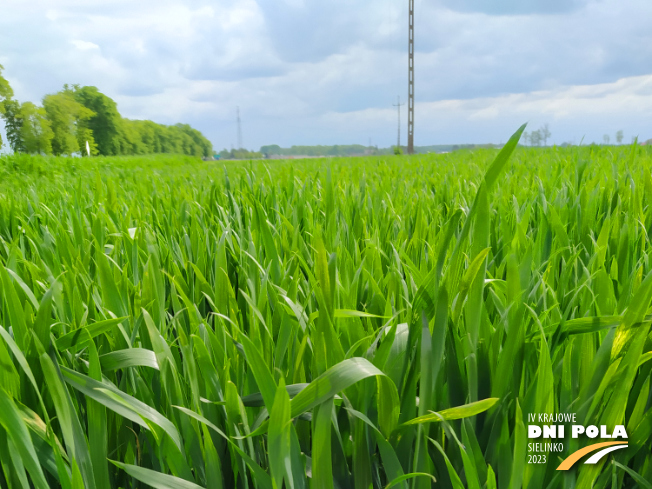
(308, 71)
(628, 95)
(84, 45)
(574, 112)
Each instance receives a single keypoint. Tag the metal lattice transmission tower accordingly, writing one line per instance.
(237, 109)
(398, 106)
(410, 143)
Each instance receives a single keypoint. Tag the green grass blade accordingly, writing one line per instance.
(278, 438)
(131, 357)
(322, 468)
(262, 478)
(459, 412)
(78, 339)
(13, 424)
(121, 403)
(155, 479)
(331, 382)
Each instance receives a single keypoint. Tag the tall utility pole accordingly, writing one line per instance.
(410, 144)
(398, 106)
(237, 109)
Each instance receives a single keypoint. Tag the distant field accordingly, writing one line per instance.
(324, 323)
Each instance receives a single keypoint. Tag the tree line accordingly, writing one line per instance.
(79, 119)
(541, 135)
(335, 150)
(536, 137)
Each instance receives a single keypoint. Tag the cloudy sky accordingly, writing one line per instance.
(328, 72)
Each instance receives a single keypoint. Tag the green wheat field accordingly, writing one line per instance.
(324, 323)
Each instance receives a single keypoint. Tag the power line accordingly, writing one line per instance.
(398, 106)
(410, 144)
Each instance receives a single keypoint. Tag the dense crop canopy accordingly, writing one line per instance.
(359, 322)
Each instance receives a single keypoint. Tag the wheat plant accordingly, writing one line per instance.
(328, 323)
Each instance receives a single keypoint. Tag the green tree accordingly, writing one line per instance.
(271, 149)
(619, 136)
(6, 93)
(195, 143)
(151, 136)
(85, 135)
(35, 129)
(5, 89)
(535, 138)
(64, 112)
(28, 129)
(79, 115)
(105, 121)
(545, 134)
(13, 123)
(128, 138)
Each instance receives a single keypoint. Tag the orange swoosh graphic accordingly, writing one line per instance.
(575, 456)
